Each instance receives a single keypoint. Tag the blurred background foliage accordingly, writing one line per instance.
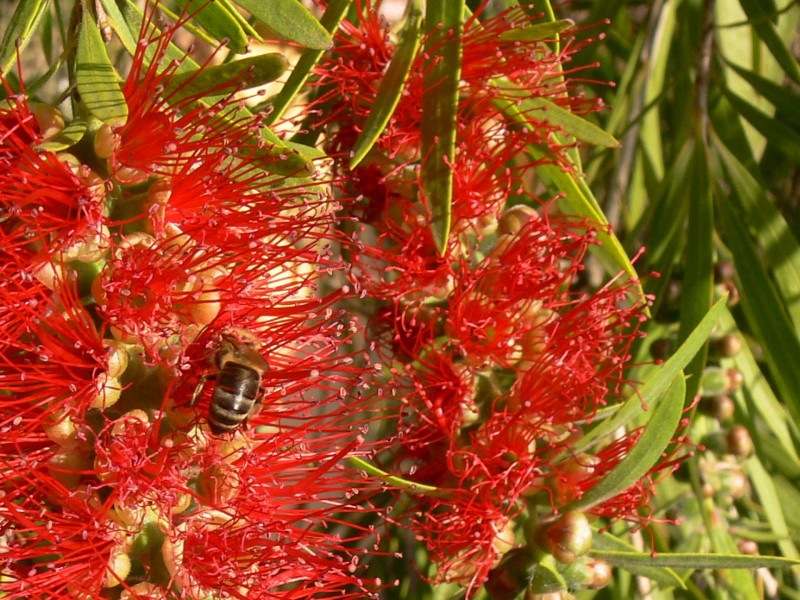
(706, 103)
(704, 96)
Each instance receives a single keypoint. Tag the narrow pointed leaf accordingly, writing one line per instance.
(255, 70)
(757, 400)
(577, 198)
(392, 84)
(536, 31)
(764, 311)
(761, 21)
(96, 79)
(215, 20)
(443, 26)
(291, 20)
(23, 23)
(773, 511)
(657, 434)
(785, 138)
(120, 26)
(411, 486)
(69, 136)
(660, 379)
(540, 109)
(698, 278)
(783, 98)
(693, 560)
(665, 576)
(334, 14)
(774, 235)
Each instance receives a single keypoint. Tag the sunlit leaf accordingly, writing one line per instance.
(254, 70)
(392, 84)
(330, 22)
(657, 434)
(291, 20)
(69, 136)
(764, 310)
(536, 31)
(20, 28)
(440, 110)
(215, 19)
(760, 19)
(96, 79)
(664, 575)
(660, 379)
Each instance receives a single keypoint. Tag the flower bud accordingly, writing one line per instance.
(49, 119)
(63, 430)
(568, 538)
(105, 141)
(515, 218)
(119, 566)
(109, 390)
(721, 408)
(728, 345)
(66, 466)
(738, 441)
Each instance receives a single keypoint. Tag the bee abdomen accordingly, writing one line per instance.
(234, 397)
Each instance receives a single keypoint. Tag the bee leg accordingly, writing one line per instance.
(198, 389)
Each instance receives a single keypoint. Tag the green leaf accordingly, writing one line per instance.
(291, 20)
(392, 84)
(774, 235)
(577, 197)
(443, 26)
(693, 560)
(334, 14)
(120, 26)
(784, 99)
(657, 434)
(665, 576)
(255, 70)
(578, 200)
(410, 486)
(46, 30)
(760, 21)
(536, 31)
(22, 25)
(785, 138)
(761, 403)
(96, 79)
(538, 109)
(697, 293)
(546, 580)
(773, 511)
(660, 379)
(69, 136)
(763, 309)
(217, 22)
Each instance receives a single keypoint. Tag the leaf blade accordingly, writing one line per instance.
(443, 26)
(392, 84)
(95, 77)
(290, 19)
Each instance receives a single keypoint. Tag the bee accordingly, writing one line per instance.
(240, 369)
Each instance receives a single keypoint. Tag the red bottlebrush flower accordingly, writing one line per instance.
(168, 128)
(58, 542)
(53, 205)
(55, 364)
(110, 363)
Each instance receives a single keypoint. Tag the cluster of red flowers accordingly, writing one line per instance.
(167, 250)
(497, 351)
(125, 263)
